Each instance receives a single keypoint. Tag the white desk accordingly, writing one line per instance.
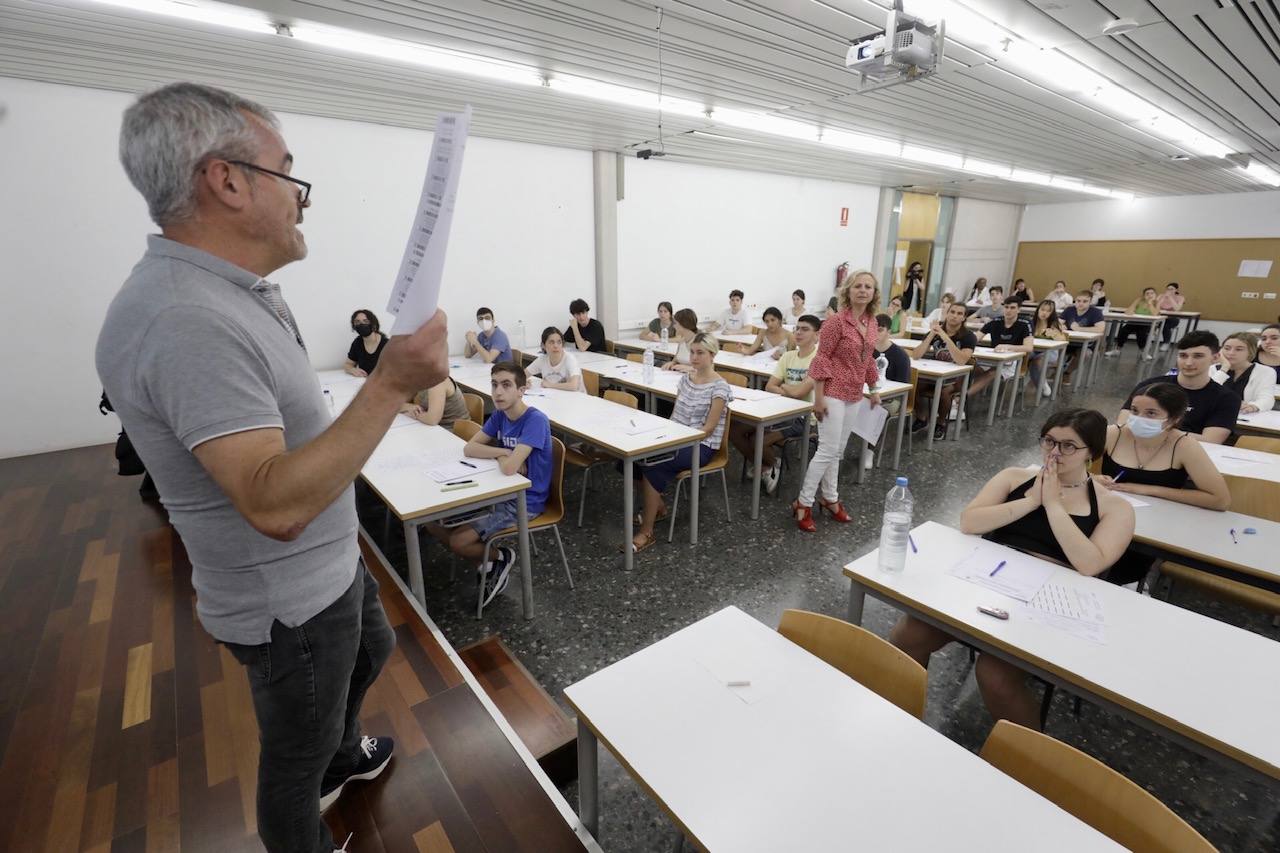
(587, 418)
(996, 360)
(1241, 462)
(416, 499)
(817, 763)
(1206, 684)
(1115, 319)
(940, 372)
(1260, 423)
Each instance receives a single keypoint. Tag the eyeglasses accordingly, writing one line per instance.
(304, 194)
(1066, 448)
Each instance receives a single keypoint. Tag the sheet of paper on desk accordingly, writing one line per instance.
(1076, 611)
(1020, 578)
(403, 421)
(416, 291)
(753, 394)
(1133, 500)
(454, 468)
(868, 420)
(1243, 466)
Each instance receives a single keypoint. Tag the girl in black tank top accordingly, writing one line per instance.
(1033, 533)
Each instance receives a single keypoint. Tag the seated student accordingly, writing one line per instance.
(735, 320)
(1098, 293)
(1212, 410)
(586, 334)
(1082, 316)
(1062, 299)
(1147, 456)
(662, 321)
(790, 379)
(1269, 348)
(936, 315)
(1171, 300)
(490, 343)
(797, 307)
(772, 337)
(1057, 513)
(899, 360)
(440, 405)
(994, 308)
(897, 316)
(702, 401)
(362, 357)
(1021, 293)
(1007, 335)
(1254, 384)
(686, 330)
(948, 340)
(833, 307)
(1045, 326)
(558, 368)
(519, 437)
(978, 293)
(1145, 305)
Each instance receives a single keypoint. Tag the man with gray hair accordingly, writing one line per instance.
(209, 374)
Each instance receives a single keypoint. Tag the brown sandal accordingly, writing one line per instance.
(662, 513)
(648, 542)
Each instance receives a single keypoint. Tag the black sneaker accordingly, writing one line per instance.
(375, 755)
(940, 432)
(498, 574)
(919, 426)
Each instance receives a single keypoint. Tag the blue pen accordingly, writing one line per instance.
(911, 540)
(1117, 477)
(997, 568)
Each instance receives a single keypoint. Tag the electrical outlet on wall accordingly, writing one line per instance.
(1268, 296)
(1249, 294)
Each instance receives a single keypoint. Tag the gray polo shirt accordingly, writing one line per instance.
(190, 351)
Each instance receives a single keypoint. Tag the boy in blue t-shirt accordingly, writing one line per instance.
(519, 437)
(1081, 316)
(490, 343)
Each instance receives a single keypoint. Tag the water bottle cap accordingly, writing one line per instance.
(901, 481)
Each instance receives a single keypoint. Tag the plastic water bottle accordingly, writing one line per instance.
(896, 527)
(648, 366)
(521, 337)
(328, 398)
(665, 333)
(882, 367)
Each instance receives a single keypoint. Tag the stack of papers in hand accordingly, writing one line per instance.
(1021, 576)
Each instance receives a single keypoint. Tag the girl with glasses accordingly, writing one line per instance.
(1056, 513)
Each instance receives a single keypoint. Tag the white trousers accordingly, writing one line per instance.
(824, 467)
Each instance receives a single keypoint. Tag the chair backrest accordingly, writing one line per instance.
(1088, 789)
(553, 511)
(475, 407)
(591, 381)
(911, 395)
(874, 663)
(1260, 498)
(465, 429)
(608, 346)
(736, 379)
(635, 356)
(1259, 442)
(622, 398)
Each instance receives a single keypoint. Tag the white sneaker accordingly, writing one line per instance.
(868, 458)
(1148, 357)
(1111, 353)
(771, 477)
(1046, 389)
(751, 472)
(1164, 347)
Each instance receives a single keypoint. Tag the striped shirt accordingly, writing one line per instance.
(693, 403)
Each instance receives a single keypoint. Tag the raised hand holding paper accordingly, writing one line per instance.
(416, 291)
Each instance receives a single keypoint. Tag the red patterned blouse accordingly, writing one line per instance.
(846, 356)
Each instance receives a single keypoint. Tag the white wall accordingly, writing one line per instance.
(1186, 217)
(983, 243)
(689, 234)
(73, 227)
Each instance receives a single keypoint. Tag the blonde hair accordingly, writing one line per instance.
(1249, 339)
(842, 297)
(707, 341)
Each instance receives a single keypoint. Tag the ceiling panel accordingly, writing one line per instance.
(784, 57)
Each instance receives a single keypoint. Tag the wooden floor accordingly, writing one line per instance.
(123, 726)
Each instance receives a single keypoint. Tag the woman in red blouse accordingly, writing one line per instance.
(846, 359)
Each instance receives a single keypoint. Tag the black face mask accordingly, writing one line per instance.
(363, 329)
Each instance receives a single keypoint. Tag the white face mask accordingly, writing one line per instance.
(1145, 427)
(485, 325)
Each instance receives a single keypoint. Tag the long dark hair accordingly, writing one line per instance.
(1170, 397)
(1052, 322)
(373, 319)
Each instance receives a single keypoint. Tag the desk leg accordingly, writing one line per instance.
(1093, 362)
(859, 447)
(1057, 377)
(902, 427)
(804, 448)
(995, 394)
(588, 780)
(857, 597)
(933, 412)
(759, 457)
(526, 569)
(964, 396)
(413, 548)
(628, 510)
(1016, 392)
(695, 462)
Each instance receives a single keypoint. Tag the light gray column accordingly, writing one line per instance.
(607, 187)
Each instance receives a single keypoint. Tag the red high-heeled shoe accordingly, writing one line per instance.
(804, 517)
(837, 511)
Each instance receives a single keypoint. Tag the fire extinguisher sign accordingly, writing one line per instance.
(844, 217)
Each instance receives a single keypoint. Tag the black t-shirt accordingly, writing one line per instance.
(364, 359)
(1210, 406)
(592, 333)
(1002, 334)
(1019, 297)
(938, 347)
(899, 364)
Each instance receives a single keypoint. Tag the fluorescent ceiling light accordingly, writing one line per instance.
(1066, 183)
(928, 155)
(861, 142)
(1121, 194)
(1123, 102)
(766, 124)
(1262, 173)
(1095, 190)
(983, 167)
(624, 95)
(218, 14)
(1025, 176)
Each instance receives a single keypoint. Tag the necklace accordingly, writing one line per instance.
(1142, 465)
(1073, 485)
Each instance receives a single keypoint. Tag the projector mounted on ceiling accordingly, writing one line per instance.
(908, 49)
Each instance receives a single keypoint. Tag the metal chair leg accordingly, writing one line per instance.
(724, 485)
(582, 500)
(675, 509)
(480, 582)
(555, 528)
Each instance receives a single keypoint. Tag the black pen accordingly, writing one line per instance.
(468, 464)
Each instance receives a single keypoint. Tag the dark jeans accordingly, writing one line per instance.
(1141, 330)
(1170, 326)
(308, 683)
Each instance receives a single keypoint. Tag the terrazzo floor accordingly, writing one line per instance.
(766, 566)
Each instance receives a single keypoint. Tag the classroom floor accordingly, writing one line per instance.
(766, 566)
